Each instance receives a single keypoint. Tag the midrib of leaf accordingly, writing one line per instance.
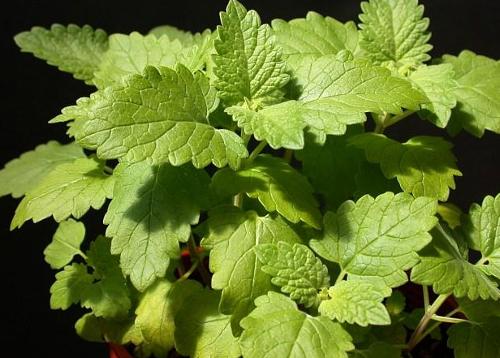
(456, 254)
(244, 59)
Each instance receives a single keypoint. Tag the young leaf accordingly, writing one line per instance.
(276, 328)
(201, 331)
(73, 49)
(131, 54)
(248, 63)
(70, 189)
(443, 266)
(437, 82)
(355, 302)
(276, 184)
(156, 311)
(65, 243)
(314, 36)
(295, 269)
(24, 173)
(152, 209)
(394, 31)
(483, 229)
(423, 166)
(475, 340)
(160, 116)
(478, 83)
(232, 238)
(186, 38)
(378, 236)
(70, 285)
(98, 329)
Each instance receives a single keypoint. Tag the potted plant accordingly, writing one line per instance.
(253, 204)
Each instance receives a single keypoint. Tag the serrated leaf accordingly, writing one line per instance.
(153, 208)
(437, 83)
(483, 233)
(450, 214)
(160, 116)
(423, 166)
(479, 310)
(232, 238)
(69, 189)
(444, 267)
(131, 54)
(156, 311)
(276, 328)
(378, 236)
(394, 31)
(295, 269)
(248, 63)
(475, 340)
(98, 329)
(203, 332)
(276, 185)
(186, 38)
(65, 243)
(73, 49)
(478, 84)
(314, 36)
(23, 174)
(69, 286)
(355, 302)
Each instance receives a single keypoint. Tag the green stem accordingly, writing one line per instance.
(259, 148)
(341, 276)
(238, 200)
(80, 252)
(425, 294)
(448, 319)
(188, 273)
(395, 119)
(288, 155)
(419, 332)
(195, 256)
(379, 122)
(482, 261)
(108, 169)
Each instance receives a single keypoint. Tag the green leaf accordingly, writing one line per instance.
(201, 331)
(483, 230)
(377, 350)
(314, 36)
(73, 49)
(70, 189)
(475, 340)
(186, 38)
(478, 83)
(423, 166)
(153, 208)
(131, 54)
(159, 116)
(276, 328)
(98, 329)
(378, 236)
(70, 285)
(450, 214)
(355, 302)
(24, 173)
(394, 31)
(448, 271)
(276, 184)
(438, 84)
(295, 269)
(156, 311)
(248, 63)
(479, 310)
(232, 238)
(65, 243)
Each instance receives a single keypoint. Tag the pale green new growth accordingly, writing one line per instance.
(69, 286)
(169, 124)
(478, 83)
(248, 64)
(277, 186)
(73, 49)
(24, 173)
(71, 189)
(153, 208)
(65, 244)
(444, 267)
(437, 83)
(203, 332)
(378, 236)
(394, 32)
(232, 238)
(423, 166)
(276, 328)
(314, 36)
(295, 269)
(355, 302)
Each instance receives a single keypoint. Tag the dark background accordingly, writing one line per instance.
(34, 92)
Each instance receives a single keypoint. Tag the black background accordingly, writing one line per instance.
(34, 92)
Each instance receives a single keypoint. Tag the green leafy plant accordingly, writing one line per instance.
(257, 207)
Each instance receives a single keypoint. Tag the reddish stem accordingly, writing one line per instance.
(118, 351)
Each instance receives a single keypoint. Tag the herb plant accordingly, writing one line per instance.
(255, 209)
